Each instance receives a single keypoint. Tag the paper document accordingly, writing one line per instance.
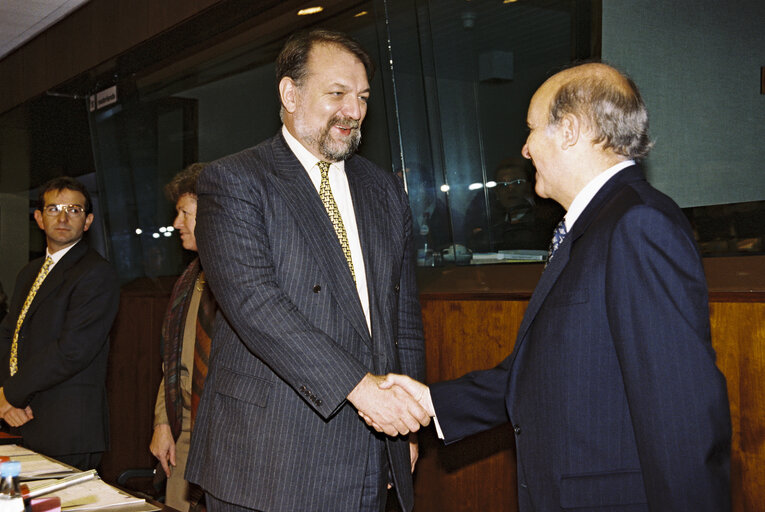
(89, 495)
(34, 465)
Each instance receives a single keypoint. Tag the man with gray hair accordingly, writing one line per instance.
(611, 389)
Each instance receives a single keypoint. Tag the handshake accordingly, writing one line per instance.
(394, 404)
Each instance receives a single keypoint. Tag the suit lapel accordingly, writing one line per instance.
(371, 213)
(56, 276)
(292, 182)
(562, 255)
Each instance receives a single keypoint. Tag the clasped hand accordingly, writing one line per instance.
(13, 416)
(395, 404)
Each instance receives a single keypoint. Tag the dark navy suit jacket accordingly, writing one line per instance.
(62, 352)
(274, 430)
(612, 388)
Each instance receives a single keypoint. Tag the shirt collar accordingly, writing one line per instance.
(56, 256)
(305, 157)
(585, 195)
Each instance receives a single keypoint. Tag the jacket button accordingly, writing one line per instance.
(396, 288)
(319, 402)
(316, 288)
(517, 430)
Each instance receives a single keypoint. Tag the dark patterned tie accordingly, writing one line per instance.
(558, 235)
(334, 214)
(14, 362)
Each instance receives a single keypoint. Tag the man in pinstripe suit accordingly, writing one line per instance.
(311, 309)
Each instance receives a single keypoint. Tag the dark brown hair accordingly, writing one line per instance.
(293, 59)
(64, 183)
(185, 182)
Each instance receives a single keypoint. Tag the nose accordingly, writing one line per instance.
(354, 107)
(525, 151)
(178, 222)
(62, 216)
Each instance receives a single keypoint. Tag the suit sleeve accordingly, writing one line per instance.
(472, 403)
(235, 251)
(91, 309)
(659, 319)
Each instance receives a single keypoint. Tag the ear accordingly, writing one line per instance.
(288, 94)
(570, 131)
(39, 218)
(88, 222)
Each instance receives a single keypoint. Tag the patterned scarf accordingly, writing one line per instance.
(172, 338)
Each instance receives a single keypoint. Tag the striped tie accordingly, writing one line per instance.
(334, 214)
(14, 362)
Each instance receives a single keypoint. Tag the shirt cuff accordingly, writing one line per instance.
(438, 428)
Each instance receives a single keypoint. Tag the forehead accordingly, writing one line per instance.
(542, 100)
(64, 196)
(186, 201)
(333, 63)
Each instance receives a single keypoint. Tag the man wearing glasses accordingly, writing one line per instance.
(54, 339)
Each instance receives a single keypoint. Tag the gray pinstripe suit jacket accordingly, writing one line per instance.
(274, 431)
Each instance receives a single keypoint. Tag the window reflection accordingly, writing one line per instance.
(517, 217)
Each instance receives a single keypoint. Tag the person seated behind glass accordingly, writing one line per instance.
(186, 333)
(430, 217)
(518, 218)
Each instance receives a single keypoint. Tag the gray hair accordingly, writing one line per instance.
(613, 109)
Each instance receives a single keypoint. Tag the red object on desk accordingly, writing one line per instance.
(50, 504)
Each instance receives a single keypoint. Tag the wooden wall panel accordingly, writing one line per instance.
(135, 370)
(478, 474)
(738, 336)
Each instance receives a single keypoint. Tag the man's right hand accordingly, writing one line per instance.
(163, 446)
(417, 390)
(392, 411)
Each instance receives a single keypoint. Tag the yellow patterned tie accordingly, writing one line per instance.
(334, 214)
(14, 363)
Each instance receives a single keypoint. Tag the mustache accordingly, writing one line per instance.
(348, 122)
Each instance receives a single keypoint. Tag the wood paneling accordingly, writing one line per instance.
(462, 334)
(478, 474)
(135, 370)
(738, 336)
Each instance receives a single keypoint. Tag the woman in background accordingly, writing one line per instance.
(186, 334)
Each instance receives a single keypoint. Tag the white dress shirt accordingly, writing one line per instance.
(56, 256)
(585, 195)
(338, 182)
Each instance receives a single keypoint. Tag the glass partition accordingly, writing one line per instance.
(447, 114)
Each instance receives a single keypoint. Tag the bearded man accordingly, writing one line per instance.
(308, 250)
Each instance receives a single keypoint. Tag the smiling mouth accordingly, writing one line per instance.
(345, 126)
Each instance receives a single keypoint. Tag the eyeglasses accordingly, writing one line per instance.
(72, 210)
(518, 181)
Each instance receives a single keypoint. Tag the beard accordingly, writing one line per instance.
(334, 150)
